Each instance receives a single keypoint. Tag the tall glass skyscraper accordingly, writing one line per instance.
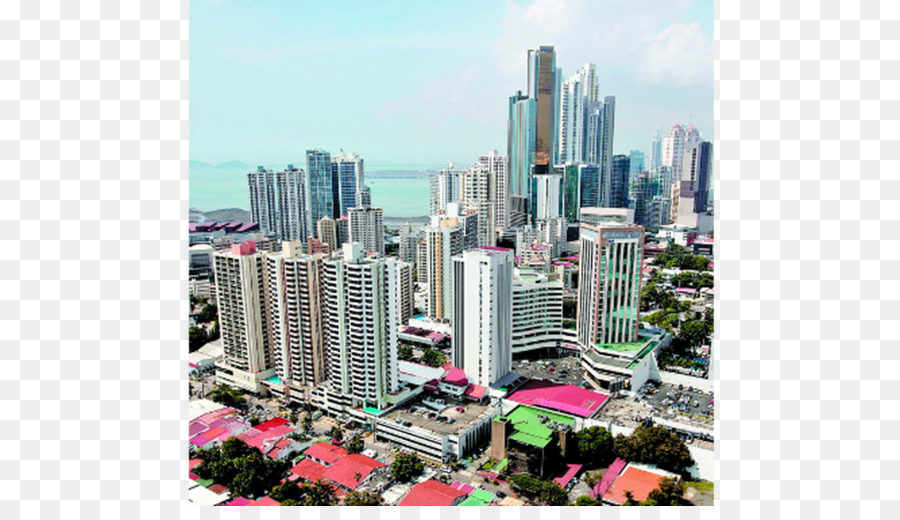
(619, 182)
(589, 174)
(637, 162)
(349, 179)
(543, 87)
(319, 185)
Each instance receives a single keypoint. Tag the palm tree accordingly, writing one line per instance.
(357, 476)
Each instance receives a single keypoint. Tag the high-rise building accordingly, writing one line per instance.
(314, 246)
(571, 190)
(349, 178)
(277, 203)
(576, 93)
(553, 233)
(342, 225)
(361, 295)
(609, 286)
(482, 318)
(673, 155)
(691, 137)
(320, 185)
(479, 195)
(296, 320)
(422, 261)
(543, 85)
(443, 239)
(241, 295)
(605, 145)
(694, 184)
(497, 165)
(405, 292)
(445, 188)
(363, 197)
(619, 181)
(487, 223)
(546, 196)
(590, 185)
(327, 232)
(636, 163)
(367, 228)
(655, 159)
(536, 311)
(520, 146)
(408, 239)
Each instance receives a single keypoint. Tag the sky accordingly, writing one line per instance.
(424, 83)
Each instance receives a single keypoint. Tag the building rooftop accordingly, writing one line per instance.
(327, 453)
(571, 471)
(345, 469)
(564, 398)
(431, 493)
(639, 481)
(309, 470)
(531, 429)
(462, 420)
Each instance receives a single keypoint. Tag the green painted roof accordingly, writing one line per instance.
(482, 494)
(372, 410)
(205, 482)
(500, 465)
(472, 501)
(528, 427)
(539, 442)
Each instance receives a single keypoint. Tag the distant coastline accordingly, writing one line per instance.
(243, 215)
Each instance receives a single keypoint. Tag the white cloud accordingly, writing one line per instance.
(680, 54)
(449, 96)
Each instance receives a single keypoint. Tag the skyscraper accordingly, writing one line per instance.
(445, 188)
(542, 78)
(408, 240)
(327, 232)
(571, 191)
(319, 185)
(605, 145)
(609, 286)
(619, 181)
(243, 317)
(498, 166)
(521, 145)
(349, 177)
(636, 164)
(277, 203)
(673, 155)
(482, 316)
(361, 295)
(576, 94)
(546, 196)
(405, 292)
(479, 194)
(697, 164)
(443, 240)
(590, 185)
(367, 228)
(655, 159)
(295, 315)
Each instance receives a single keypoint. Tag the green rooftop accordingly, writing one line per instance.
(482, 494)
(472, 501)
(500, 465)
(531, 440)
(372, 410)
(623, 347)
(528, 428)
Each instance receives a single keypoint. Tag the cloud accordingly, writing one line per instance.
(680, 54)
(450, 96)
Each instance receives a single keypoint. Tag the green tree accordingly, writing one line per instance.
(240, 468)
(208, 313)
(595, 446)
(214, 331)
(570, 309)
(197, 338)
(694, 334)
(591, 478)
(405, 352)
(406, 467)
(355, 444)
(362, 498)
(336, 433)
(225, 395)
(291, 502)
(320, 493)
(669, 493)
(629, 499)
(433, 358)
(255, 420)
(287, 491)
(526, 484)
(586, 501)
(655, 445)
(554, 495)
(306, 424)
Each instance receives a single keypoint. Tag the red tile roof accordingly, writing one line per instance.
(327, 453)
(309, 470)
(475, 391)
(193, 463)
(265, 501)
(280, 445)
(565, 398)
(638, 481)
(217, 489)
(271, 423)
(343, 471)
(431, 493)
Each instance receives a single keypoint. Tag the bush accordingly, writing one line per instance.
(406, 467)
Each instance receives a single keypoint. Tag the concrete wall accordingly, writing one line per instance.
(675, 379)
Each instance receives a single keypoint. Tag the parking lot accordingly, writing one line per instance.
(672, 399)
(565, 370)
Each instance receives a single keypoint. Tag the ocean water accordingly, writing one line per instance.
(400, 195)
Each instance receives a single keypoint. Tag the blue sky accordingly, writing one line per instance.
(414, 82)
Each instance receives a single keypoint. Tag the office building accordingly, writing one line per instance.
(243, 317)
(543, 87)
(295, 315)
(497, 165)
(320, 185)
(443, 239)
(589, 174)
(571, 190)
(367, 228)
(482, 316)
(342, 227)
(361, 297)
(636, 163)
(655, 159)
(349, 178)
(445, 188)
(619, 181)
(609, 286)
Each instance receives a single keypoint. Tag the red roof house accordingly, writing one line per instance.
(309, 470)
(325, 453)
(432, 493)
(271, 423)
(344, 471)
(265, 501)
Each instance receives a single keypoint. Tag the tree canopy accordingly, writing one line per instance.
(655, 445)
(548, 492)
(240, 468)
(228, 396)
(670, 493)
(406, 467)
(595, 446)
(355, 444)
(197, 337)
(209, 313)
(585, 500)
(433, 358)
(362, 498)
(405, 352)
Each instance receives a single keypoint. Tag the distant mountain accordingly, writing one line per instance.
(226, 214)
(198, 164)
(233, 164)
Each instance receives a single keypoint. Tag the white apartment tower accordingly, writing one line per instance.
(497, 164)
(367, 228)
(609, 285)
(444, 238)
(673, 155)
(241, 295)
(446, 187)
(361, 324)
(405, 292)
(278, 204)
(482, 317)
(576, 94)
(296, 319)
(536, 311)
